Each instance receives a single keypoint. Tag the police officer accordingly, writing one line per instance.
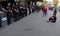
(25, 10)
(15, 12)
(9, 13)
(18, 13)
(20, 10)
(1, 12)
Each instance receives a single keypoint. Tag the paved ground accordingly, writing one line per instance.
(33, 25)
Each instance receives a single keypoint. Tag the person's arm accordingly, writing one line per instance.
(4, 10)
(17, 10)
(1, 12)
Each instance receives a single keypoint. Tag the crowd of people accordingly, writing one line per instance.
(20, 10)
(16, 11)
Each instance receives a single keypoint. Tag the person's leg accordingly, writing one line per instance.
(46, 12)
(43, 14)
(50, 19)
(29, 11)
(14, 16)
(8, 19)
(20, 14)
(26, 13)
(38, 10)
(17, 16)
(53, 21)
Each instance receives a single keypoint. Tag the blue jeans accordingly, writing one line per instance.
(44, 13)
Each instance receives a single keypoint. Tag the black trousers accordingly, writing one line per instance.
(25, 13)
(9, 18)
(29, 10)
(16, 16)
(20, 15)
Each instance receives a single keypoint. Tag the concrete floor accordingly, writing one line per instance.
(33, 25)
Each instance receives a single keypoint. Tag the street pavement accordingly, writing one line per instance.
(33, 25)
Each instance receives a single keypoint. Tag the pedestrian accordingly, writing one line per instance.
(9, 13)
(44, 9)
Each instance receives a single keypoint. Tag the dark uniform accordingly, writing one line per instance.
(29, 10)
(16, 14)
(21, 12)
(0, 15)
(25, 11)
(8, 15)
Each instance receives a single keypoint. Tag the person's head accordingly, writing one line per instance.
(9, 4)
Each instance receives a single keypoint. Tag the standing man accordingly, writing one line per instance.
(44, 9)
(25, 11)
(17, 10)
(9, 13)
(16, 13)
(1, 12)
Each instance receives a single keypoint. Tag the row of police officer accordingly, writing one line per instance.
(14, 10)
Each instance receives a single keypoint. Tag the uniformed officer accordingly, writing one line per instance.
(1, 12)
(25, 10)
(15, 12)
(9, 13)
(20, 10)
(18, 13)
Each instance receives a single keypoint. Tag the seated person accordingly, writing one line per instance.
(52, 18)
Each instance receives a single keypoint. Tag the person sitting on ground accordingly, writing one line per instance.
(53, 18)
